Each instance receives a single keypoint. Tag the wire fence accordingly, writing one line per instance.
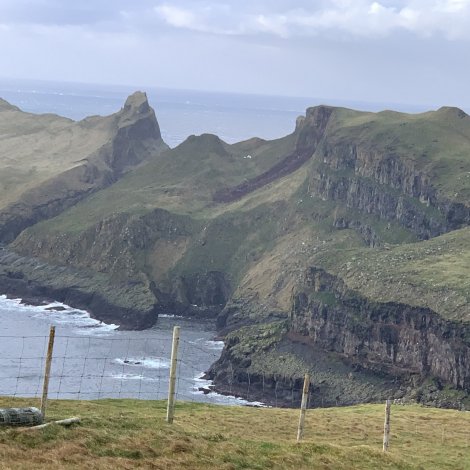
(96, 367)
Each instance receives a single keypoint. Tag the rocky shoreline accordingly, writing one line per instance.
(337, 380)
(35, 282)
(341, 249)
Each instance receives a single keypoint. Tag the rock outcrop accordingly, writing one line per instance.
(390, 338)
(130, 303)
(387, 186)
(134, 137)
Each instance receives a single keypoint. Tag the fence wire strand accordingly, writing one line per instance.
(94, 367)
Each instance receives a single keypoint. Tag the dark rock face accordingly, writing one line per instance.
(259, 367)
(355, 350)
(209, 290)
(391, 338)
(130, 305)
(386, 186)
(137, 137)
(366, 232)
(110, 245)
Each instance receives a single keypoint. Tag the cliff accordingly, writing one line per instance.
(342, 248)
(128, 303)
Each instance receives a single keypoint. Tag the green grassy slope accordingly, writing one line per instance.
(36, 148)
(262, 240)
(432, 273)
(116, 434)
(184, 179)
(181, 180)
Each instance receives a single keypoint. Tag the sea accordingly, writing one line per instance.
(94, 360)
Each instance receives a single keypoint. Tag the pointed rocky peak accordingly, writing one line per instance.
(137, 118)
(299, 122)
(319, 115)
(6, 106)
(135, 108)
(311, 128)
(137, 103)
(138, 137)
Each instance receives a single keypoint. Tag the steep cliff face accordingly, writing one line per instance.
(356, 350)
(108, 246)
(129, 303)
(367, 323)
(137, 249)
(387, 186)
(322, 251)
(391, 338)
(133, 136)
(137, 137)
(421, 332)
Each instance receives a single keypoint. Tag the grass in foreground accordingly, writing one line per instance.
(125, 434)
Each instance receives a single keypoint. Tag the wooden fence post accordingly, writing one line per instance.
(388, 405)
(303, 407)
(171, 387)
(47, 371)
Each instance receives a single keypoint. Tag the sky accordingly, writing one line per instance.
(388, 51)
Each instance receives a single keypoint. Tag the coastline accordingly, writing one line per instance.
(37, 282)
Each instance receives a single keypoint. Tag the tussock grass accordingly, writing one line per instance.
(431, 273)
(125, 434)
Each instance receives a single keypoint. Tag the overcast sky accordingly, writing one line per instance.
(391, 51)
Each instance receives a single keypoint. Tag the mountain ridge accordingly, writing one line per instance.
(127, 138)
(375, 203)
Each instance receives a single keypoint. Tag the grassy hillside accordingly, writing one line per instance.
(432, 273)
(117, 434)
(184, 179)
(379, 200)
(181, 180)
(264, 239)
(437, 142)
(49, 163)
(36, 148)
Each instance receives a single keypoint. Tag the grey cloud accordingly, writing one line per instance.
(294, 47)
(277, 18)
(447, 18)
(60, 12)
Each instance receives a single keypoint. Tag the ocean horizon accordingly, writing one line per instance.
(231, 116)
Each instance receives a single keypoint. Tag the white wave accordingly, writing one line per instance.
(132, 377)
(200, 383)
(6, 300)
(59, 314)
(215, 345)
(147, 362)
(208, 344)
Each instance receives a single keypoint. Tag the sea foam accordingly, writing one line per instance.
(59, 314)
(146, 362)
